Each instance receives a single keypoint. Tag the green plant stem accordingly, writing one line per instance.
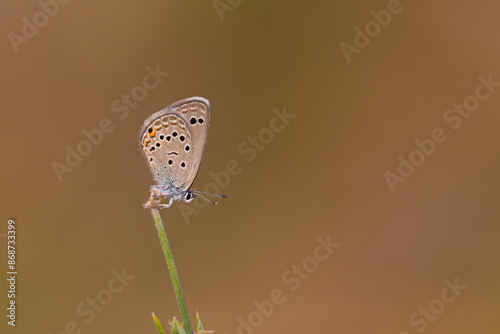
(173, 271)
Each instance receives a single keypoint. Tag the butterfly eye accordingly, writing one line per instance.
(189, 197)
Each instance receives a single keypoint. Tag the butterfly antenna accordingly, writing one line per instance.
(203, 192)
(206, 199)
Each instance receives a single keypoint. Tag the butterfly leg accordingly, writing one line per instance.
(164, 206)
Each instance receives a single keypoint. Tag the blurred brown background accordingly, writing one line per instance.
(322, 175)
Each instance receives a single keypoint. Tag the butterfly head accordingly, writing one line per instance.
(189, 196)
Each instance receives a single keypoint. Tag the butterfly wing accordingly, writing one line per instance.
(173, 141)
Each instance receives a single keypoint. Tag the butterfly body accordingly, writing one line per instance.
(173, 141)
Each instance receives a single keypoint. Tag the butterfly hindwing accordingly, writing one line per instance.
(173, 140)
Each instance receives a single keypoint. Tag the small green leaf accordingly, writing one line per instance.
(199, 324)
(176, 327)
(159, 328)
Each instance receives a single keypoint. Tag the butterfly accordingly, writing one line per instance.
(173, 141)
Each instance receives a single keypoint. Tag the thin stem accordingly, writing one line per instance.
(173, 271)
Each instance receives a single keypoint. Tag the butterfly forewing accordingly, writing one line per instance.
(173, 140)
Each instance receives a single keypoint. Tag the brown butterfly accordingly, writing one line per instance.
(173, 141)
